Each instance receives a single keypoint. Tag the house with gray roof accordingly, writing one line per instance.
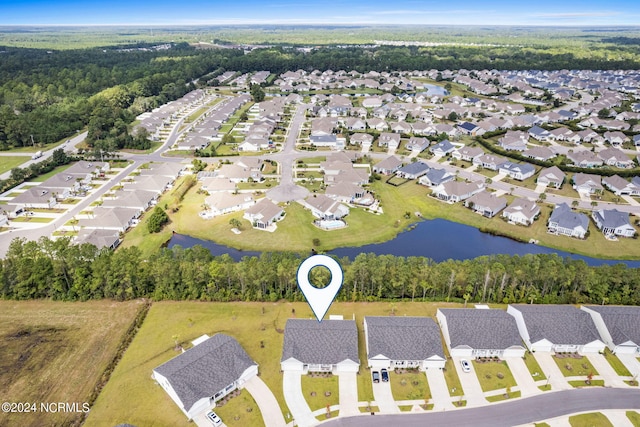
(551, 177)
(221, 203)
(539, 153)
(388, 166)
(141, 200)
(403, 342)
(467, 153)
(584, 159)
(327, 346)
(457, 191)
(325, 208)
(536, 132)
(485, 203)
(618, 327)
(38, 197)
(612, 222)
(417, 144)
(473, 332)
(489, 161)
(413, 170)
(119, 219)
(565, 221)
(587, 183)
(620, 186)
(435, 177)
(556, 328)
(442, 148)
(196, 379)
(263, 214)
(521, 211)
(615, 157)
(98, 238)
(519, 171)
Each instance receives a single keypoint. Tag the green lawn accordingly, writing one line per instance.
(369, 409)
(489, 374)
(504, 396)
(315, 390)
(324, 417)
(240, 411)
(452, 379)
(409, 386)
(34, 219)
(634, 417)
(582, 383)
(571, 367)
(405, 408)
(48, 175)
(9, 162)
(590, 420)
(534, 367)
(616, 364)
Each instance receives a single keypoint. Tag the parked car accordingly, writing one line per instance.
(385, 375)
(214, 418)
(466, 367)
(376, 376)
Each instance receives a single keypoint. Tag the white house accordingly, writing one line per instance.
(556, 328)
(612, 222)
(327, 346)
(618, 327)
(472, 332)
(403, 342)
(521, 211)
(204, 374)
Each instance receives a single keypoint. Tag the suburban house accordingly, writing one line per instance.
(196, 379)
(362, 139)
(485, 203)
(615, 157)
(435, 177)
(521, 211)
(156, 183)
(539, 153)
(556, 328)
(347, 192)
(551, 177)
(413, 170)
(417, 144)
(567, 222)
(141, 200)
(387, 166)
(587, 183)
(538, 133)
(584, 159)
(519, 171)
(442, 148)
(473, 332)
(618, 327)
(403, 342)
(118, 219)
(325, 208)
(612, 222)
(327, 346)
(467, 153)
(37, 197)
(620, 186)
(98, 238)
(489, 161)
(221, 203)
(389, 140)
(457, 191)
(263, 214)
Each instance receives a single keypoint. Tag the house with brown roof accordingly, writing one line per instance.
(521, 211)
(551, 177)
(587, 183)
(615, 157)
(620, 186)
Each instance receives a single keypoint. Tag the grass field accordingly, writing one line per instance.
(299, 233)
(132, 396)
(57, 352)
(590, 420)
(534, 367)
(409, 386)
(571, 367)
(46, 176)
(616, 364)
(9, 162)
(315, 390)
(489, 374)
(240, 411)
(634, 417)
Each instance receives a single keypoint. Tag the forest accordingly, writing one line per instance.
(59, 270)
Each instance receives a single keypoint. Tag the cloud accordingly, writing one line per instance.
(571, 15)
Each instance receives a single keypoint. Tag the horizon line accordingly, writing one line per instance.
(318, 24)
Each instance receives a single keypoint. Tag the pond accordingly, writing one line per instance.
(437, 239)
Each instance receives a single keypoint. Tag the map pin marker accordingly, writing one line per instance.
(320, 299)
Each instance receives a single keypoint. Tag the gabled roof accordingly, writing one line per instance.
(611, 218)
(438, 176)
(622, 322)
(414, 168)
(523, 168)
(526, 207)
(560, 324)
(481, 329)
(327, 342)
(206, 369)
(445, 146)
(566, 218)
(403, 338)
(390, 163)
(552, 174)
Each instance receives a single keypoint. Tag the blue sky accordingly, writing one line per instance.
(429, 12)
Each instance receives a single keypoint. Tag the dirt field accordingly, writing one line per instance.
(56, 352)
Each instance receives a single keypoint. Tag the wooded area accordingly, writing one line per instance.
(61, 271)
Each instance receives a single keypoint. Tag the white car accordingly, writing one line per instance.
(466, 366)
(214, 418)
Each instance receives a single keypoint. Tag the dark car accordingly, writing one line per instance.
(376, 376)
(385, 375)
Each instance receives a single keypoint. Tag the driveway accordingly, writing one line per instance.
(348, 393)
(439, 390)
(630, 361)
(384, 398)
(300, 411)
(551, 370)
(523, 377)
(610, 377)
(266, 401)
(470, 384)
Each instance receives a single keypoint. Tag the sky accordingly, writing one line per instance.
(337, 12)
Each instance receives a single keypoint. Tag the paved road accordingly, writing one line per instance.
(517, 412)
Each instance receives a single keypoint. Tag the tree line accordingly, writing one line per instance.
(59, 270)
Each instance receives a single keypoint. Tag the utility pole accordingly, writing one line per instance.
(32, 141)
